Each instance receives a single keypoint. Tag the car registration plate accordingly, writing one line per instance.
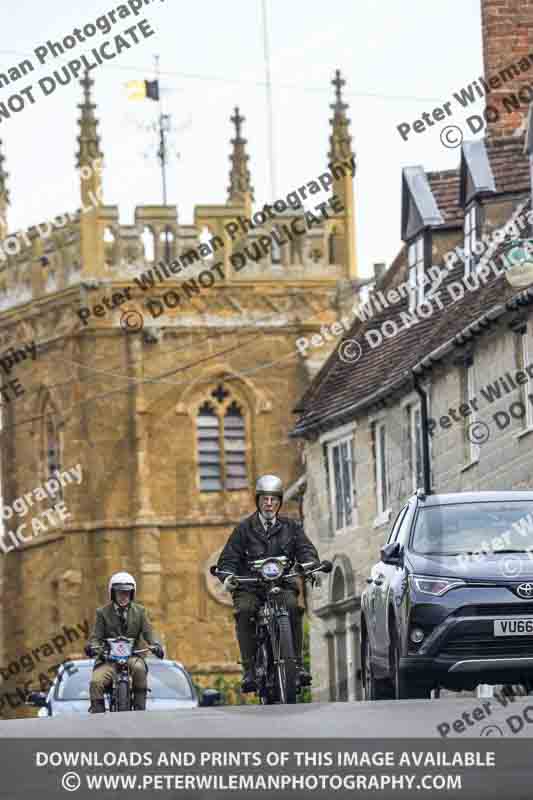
(513, 626)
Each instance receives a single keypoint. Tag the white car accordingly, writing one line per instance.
(170, 688)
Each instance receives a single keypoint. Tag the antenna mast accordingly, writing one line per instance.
(269, 102)
(164, 120)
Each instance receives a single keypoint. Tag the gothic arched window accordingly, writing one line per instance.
(52, 445)
(234, 448)
(221, 436)
(209, 449)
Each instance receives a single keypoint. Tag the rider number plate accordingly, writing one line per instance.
(120, 649)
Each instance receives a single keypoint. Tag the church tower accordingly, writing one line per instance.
(171, 420)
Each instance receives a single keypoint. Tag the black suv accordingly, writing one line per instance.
(450, 603)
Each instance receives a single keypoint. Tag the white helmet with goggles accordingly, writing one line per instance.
(122, 581)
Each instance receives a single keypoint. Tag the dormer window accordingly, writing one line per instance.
(416, 272)
(470, 238)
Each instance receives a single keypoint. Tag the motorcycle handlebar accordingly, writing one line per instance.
(324, 566)
(96, 651)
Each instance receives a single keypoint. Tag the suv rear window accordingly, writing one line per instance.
(473, 527)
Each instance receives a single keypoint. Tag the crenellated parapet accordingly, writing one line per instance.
(282, 250)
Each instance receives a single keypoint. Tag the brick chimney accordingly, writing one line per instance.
(507, 30)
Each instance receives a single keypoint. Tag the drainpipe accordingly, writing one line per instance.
(425, 435)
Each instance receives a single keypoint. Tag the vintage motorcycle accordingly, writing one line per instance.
(276, 671)
(117, 651)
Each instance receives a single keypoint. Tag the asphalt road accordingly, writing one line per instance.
(383, 719)
(36, 752)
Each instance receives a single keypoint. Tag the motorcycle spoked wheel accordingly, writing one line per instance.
(264, 666)
(286, 673)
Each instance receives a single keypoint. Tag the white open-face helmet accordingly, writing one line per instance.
(123, 581)
(269, 484)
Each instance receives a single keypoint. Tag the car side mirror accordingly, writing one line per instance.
(392, 554)
(36, 699)
(210, 697)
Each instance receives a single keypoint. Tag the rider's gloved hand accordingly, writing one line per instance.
(230, 584)
(158, 651)
(92, 651)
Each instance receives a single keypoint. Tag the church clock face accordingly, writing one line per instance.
(213, 585)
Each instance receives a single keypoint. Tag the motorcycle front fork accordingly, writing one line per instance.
(266, 636)
(120, 678)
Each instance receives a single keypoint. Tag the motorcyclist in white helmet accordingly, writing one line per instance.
(120, 617)
(263, 534)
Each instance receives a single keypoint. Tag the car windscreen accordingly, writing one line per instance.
(166, 681)
(473, 528)
(74, 686)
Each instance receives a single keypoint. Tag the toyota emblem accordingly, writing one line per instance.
(525, 590)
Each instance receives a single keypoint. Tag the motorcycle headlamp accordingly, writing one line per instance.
(271, 570)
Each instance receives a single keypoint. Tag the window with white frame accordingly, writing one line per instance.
(380, 449)
(415, 255)
(341, 463)
(472, 449)
(526, 356)
(415, 446)
(470, 239)
(364, 293)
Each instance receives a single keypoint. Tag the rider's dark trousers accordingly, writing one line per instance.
(246, 606)
(103, 675)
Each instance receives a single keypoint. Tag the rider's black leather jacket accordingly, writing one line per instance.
(249, 541)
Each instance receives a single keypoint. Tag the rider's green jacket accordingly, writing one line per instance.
(108, 625)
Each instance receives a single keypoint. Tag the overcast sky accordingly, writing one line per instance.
(399, 59)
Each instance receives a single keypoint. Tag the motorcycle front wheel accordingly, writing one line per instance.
(286, 674)
(122, 696)
(263, 671)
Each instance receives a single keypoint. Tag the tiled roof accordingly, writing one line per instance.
(342, 384)
(509, 163)
(445, 189)
(391, 277)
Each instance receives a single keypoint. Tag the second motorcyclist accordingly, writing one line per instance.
(120, 617)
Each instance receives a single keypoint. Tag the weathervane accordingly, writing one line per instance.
(162, 128)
